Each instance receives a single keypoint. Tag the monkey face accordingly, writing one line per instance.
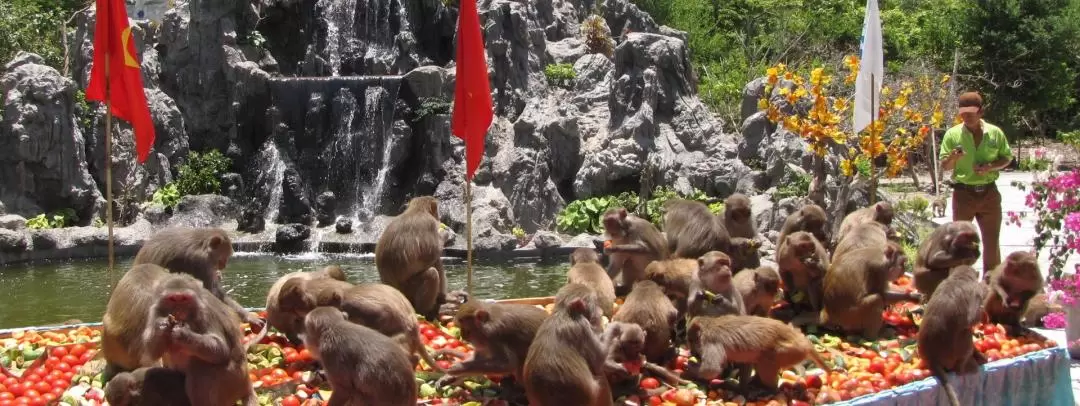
(883, 213)
(614, 223)
(181, 304)
(965, 243)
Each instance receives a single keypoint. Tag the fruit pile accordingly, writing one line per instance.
(39, 367)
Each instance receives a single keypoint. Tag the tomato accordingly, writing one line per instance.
(67, 375)
(5, 395)
(290, 400)
(305, 355)
(17, 389)
(50, 362)
(64, 367)
(70, 359)
(31, 393)
(49, 397)
(877, 366)
(60, 383)
(649, 383)
(279, 373)
(58, 352)
(267, 380)
(252, 378)
(77, 350)
(444, 364)
(7, 402)
(59, 392)
(655, 401)
(42, 387)
(10, 381)
(452, 343)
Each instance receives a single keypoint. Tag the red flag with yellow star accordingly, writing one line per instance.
(116, 73)
(472, 92)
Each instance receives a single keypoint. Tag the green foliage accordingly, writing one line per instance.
(799, 188)
(84, 115)
(518, 232)
(432, 106)
(58, 219)
(35, 26)
(1033, 164)
(167, 195)
(862, 166)
(201, 174)
(1071, 138)
(581, 216)
(253, 38)
(597, 36)
(560, 74)
(918, 206)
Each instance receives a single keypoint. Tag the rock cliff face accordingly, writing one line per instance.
(339, 110)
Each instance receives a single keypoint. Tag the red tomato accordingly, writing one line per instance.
(655, 401)
(429, 332)
(290, 400)
(649, 383)
(22, 401)
(279, 373)
(31, 393)
(60, 383)
(77, 349)
(298, 376)
(7, 402)
(64, 367)
(71, 359)
(292, 357)
(305, 355)
(49, 397)
(17, 389)
(10, 381)
(877, 366)
(67, 375)
(59, 392)
(58, 352)
(5, 395)
(85, 357)
(31, 377)
(444, 364)
(50, 362)
(267, 380)
(42, 387)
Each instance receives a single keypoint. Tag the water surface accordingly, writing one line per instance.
(49, 293)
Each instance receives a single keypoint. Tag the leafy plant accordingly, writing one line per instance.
(83, 113)
(560, 74)
(58, 219)
(167, 195)
(918, 206)
(583, 216)
(1055, 203)
(518, 232)
(253, 38)
(597, 36)
(661, 195)
(432, 106)
(798, 188)
(201, 174)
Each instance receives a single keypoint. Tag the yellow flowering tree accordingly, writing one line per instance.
(818, 109)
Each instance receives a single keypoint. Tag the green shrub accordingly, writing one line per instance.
(918, 206)
(166, 195)
(432, 106)
(597, 36)
(1034, 164)
(799, 188)
(58, 219)
(560, 74)
(201, 174)
(583, 216)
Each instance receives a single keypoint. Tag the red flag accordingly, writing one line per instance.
(114, 43)
(472, 92)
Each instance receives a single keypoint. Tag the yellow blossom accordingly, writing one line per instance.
(847, 167)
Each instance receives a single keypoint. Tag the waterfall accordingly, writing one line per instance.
(340, 26)
(271, 175)
(378, 130)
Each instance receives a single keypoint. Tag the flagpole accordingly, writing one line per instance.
(468, 233)
(108, 173)
(873, 143)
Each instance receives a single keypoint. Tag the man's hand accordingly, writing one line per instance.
(956, 154)
(983, 169)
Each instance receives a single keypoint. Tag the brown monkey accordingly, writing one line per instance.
(647, 307)
(948, 246)
(298, 296)
(585, 269)
(712, 293)
(1037, 308)
(744, 254)
(289, 323)
(857, 289)
(869, 234)
(737, 217)
(565, 363)
(1012, 286)
(386, 310)
(409, 256)
(197, 334)
(362, 365)
(623, 345)
(758, 288)
(126, 318)
(802, 261)
(635, 242)
(881, 212)
(155, 386)
(810, 218)
(500, 335)
(199, 252)
(767, 344)
(675, 276)
(692, 230)
(944, 338)
(939, 205)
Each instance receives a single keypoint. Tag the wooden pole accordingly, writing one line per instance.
(468, 235)
(873, 143)
(108, 173)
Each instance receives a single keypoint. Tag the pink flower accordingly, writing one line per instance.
(1040, 153)
(1054, 320)
(1072, 222)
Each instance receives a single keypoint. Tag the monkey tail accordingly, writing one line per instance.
(940, 374)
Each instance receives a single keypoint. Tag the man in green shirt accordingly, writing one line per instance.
(976, 151)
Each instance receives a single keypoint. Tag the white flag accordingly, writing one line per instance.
(871, 63)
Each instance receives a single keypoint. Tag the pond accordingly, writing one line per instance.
(50, 293)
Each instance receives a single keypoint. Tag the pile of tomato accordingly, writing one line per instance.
(57, 358)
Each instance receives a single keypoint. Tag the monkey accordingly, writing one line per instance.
(635, 242)
(623, 344)
(802, 261)
(692, 230)
(387, 310)
(585, 268)
(737, 217)
(940, 203)
(857, 289)
(944, 339)
(154, 386)
(810, 218)
(408, 256)
(881, 212)
(767, 344)
(948, 246)
(289, 323)
(647, 307)
(565, 364)
(1037, 308)
(198, 334)
(712, 293)
(675, 277)
(126, 319)
(1012, 286)
(199, 252)
(868, 234)
(758, 288)
(299, 295)
(500, 334)
(362, 365)
(744, 254)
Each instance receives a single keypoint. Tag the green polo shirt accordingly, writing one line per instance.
(994, 146)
